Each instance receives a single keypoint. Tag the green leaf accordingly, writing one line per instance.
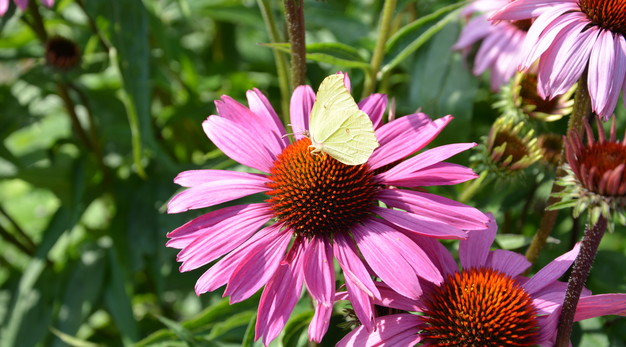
(296, 328)
(331, 53)
(71, 340)
(118, 301)
(412, 36)
(512, 241)
(248, 337)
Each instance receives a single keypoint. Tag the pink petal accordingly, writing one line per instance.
(208, 244)
(390, 298)
(319, 272)
(607, 68)
(387, 250)
(412, 223)
(526, 9)
(440, 174)
(216, 192)
(300, 107)
(474, 251)
(48, 3)
(489, 50)
(193, 178)
(243, 144)
(507, 262)
(413, 165)
(564, 61)
(221, 271)
(394, 330)
(319, 323)
(258, 265)
(4, 6)
(280, 296)
(476, 29)
(22, 4)
(600, 305)
(374, 106)
(438, 253)
(405, 136)
(435, 207)
(552, 271)
(261, 106)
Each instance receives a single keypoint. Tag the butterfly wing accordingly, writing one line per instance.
(338, 127)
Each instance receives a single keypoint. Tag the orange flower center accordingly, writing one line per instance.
(479, 308)
(316, 194)
(607, 14)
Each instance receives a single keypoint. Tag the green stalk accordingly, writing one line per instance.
(384, 31)
(582, 110)
(279, 57)
(472, 189)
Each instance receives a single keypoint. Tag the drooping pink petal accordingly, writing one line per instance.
(216, 192)
(562, 64)
(552, 271)
(607, 68)
(208, 244)
(239, 143)
(508, 262)
(387, 250)
(489, 51)
(219, 274)
(393, 330)
(476, 29)
(412, 223)
(4, 6)
(320, 322)
(374, 106)
(302, 101)
(411, 166)
(390, 298)
(405, 136)
(280, 296)
(261, 106)
(474, 251)
(258, 266)
(193, 178)
(435, 207)
(319, 272)
(526, 9)
(438, 253)
(600, 305)
(48, 3)
(440, 174)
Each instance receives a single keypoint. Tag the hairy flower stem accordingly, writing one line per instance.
(281, 63)
(582, 266)
(294, 15)
(473, 187)
(384, 29)
(582, 110)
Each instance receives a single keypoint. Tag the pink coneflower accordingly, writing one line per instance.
(22, 4)
(571, 36)
(318, 210)
(501, 43)
(487, 303)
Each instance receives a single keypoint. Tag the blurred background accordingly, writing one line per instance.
(101, 105)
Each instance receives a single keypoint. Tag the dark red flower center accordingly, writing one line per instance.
(62, 53)
(528, 94)
(607, 14)
(316, 194)
(515, 147)
(479, 308)
(598, 164)
(523, 24)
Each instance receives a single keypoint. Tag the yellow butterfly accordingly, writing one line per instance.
(338, 127)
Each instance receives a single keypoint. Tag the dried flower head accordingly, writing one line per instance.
(62, 53)
(550, 145)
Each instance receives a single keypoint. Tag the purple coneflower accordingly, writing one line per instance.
(318, 210)
(571, 36)
(487, 303)
(501, 43)
(4, 5)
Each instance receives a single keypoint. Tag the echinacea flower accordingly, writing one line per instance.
(569, 37)
(501, 43)
(4, 5)
(318, 210)
(596, 175)
(527, 101)
(487, 303)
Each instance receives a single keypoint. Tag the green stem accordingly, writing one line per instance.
(582, 110)
(29, 243)
(384, 30)
(576, 283)
(473, 187)
(294, 15)
(281, 62)
(37, 24)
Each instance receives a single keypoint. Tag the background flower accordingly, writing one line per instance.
(4, 5)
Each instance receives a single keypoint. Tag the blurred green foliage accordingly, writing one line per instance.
(85, 178)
